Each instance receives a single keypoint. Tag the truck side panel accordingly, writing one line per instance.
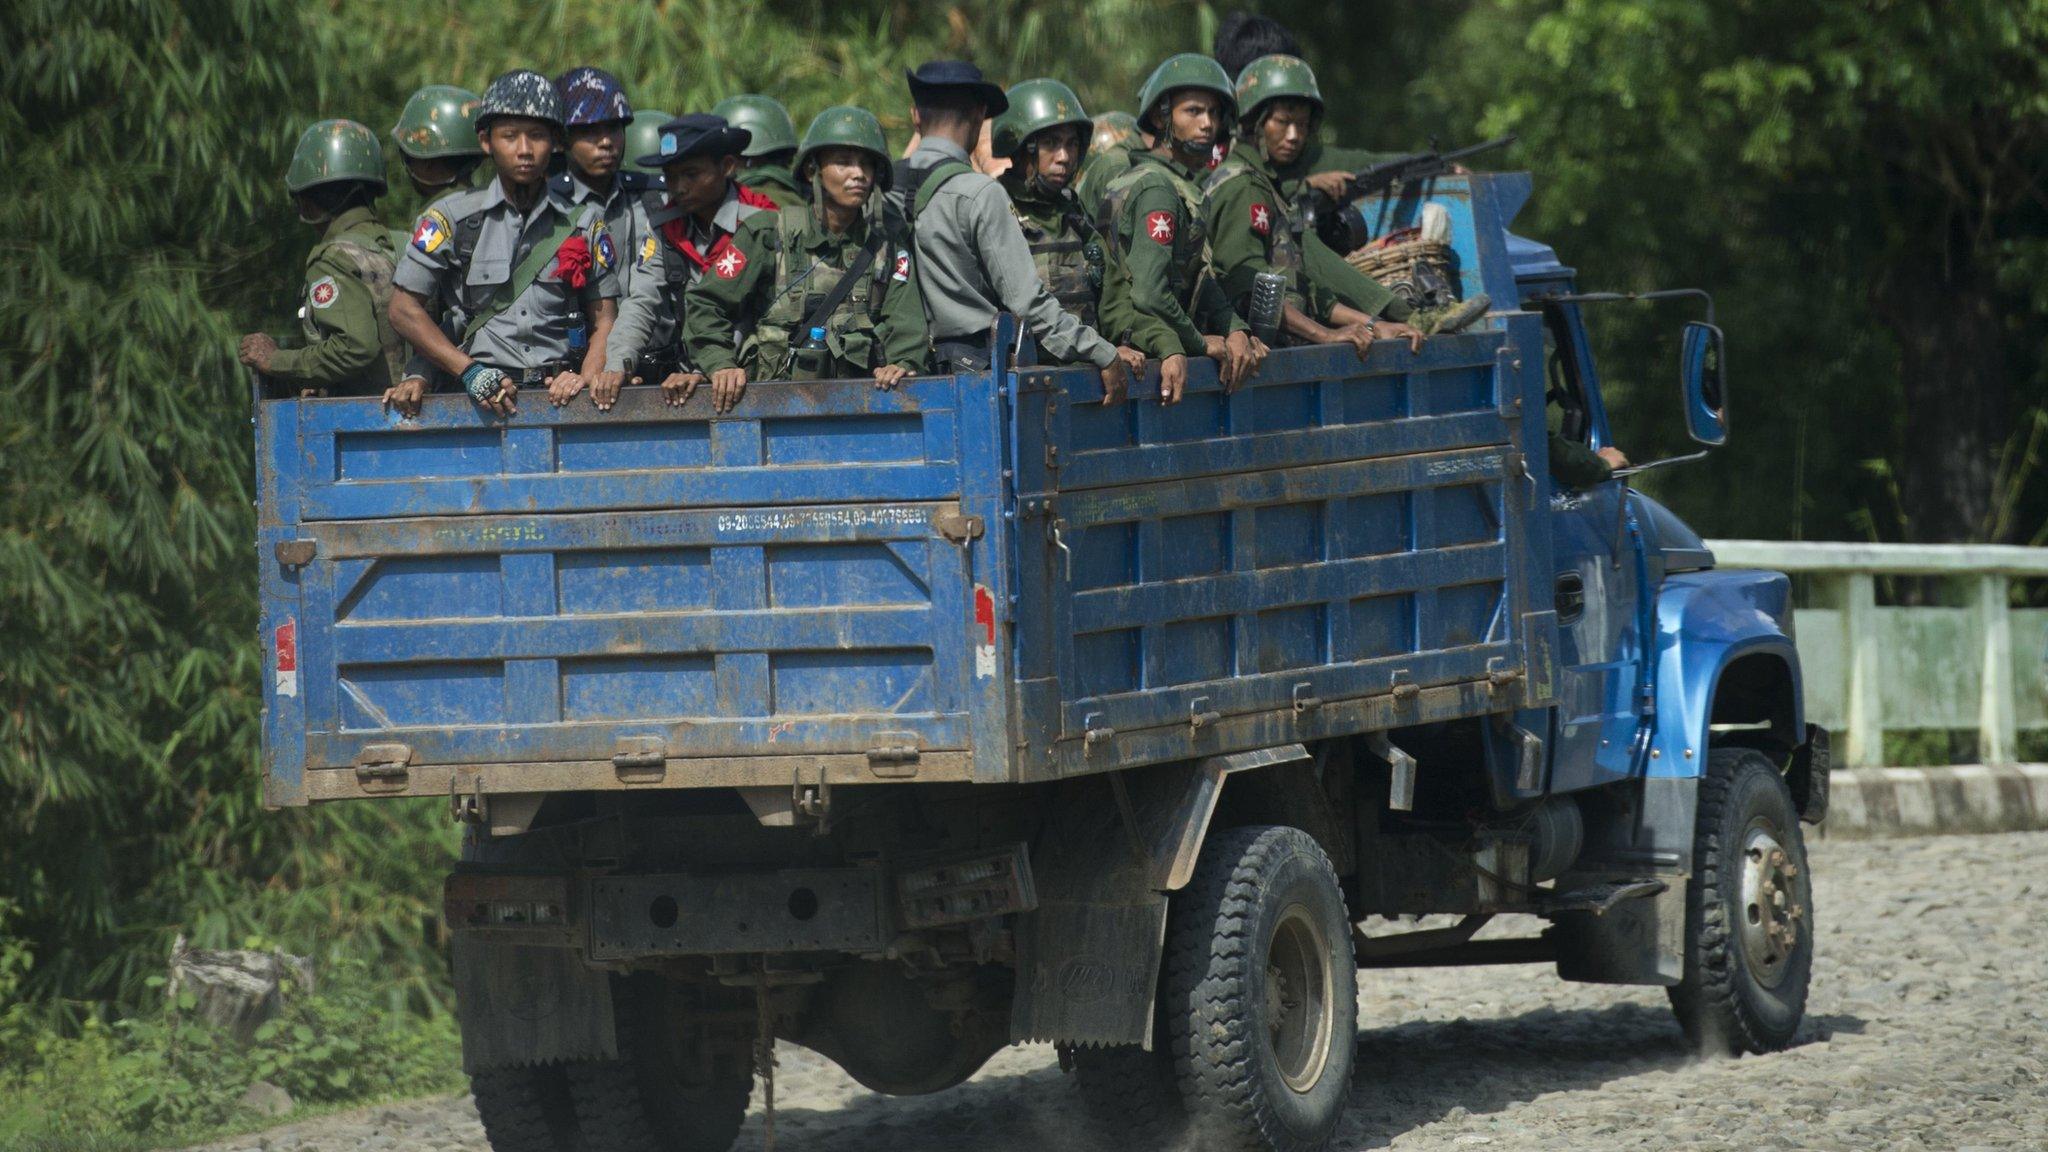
(645, 597)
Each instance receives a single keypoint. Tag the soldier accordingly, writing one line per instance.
(1042, 134)
(972, 258)
(1116, 137)
(693, 226)
(765, 165)
(336, 175)
(436, 138)
(596, 113)
(1157, 240)
(643, 141)
(1254, 229)
(825, 290)
(522, 266)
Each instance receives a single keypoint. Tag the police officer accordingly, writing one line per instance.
(818, 291)
(1157, 239)
(693, 225)
(336, 175)
(436, 138)
(597, 113)
(771, 146)
(1254, 229)
(1116, 136)
(521, 266)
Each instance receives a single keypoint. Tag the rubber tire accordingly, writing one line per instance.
(1129, 1096)
(640, 1102)
(1215, 992)
(526, 1109)
(1723, 1008)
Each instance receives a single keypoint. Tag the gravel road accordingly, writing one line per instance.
(1927, 1030)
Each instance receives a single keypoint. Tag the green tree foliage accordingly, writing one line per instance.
(1860, 183)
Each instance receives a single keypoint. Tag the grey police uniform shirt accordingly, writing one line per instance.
(652, 307)
(625, 213)
(534, 331)
(974, 262)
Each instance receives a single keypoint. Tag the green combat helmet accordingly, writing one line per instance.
(438, 121)
(521, 92)
(765, 117)
(1271, 78)
(332, 151)
(643, 139)
(845, 126)
(1112, 129)
(1186, 70)
(1036, 105)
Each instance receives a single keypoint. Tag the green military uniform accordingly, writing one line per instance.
(1255, 226)
(1573, 464)
(750, 310)
(1065, 247)
(772, 138)
(1109, 156)
(351, 349)
(1157, 260)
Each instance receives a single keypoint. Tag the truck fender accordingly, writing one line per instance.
(1113, 846)
(525, 1004)
(1725, 656)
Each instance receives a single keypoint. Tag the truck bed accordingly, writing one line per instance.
(988, 578)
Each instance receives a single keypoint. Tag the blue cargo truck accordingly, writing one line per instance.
(907, 725)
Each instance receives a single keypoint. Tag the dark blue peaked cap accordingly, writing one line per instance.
(696, 134)
(939, 75)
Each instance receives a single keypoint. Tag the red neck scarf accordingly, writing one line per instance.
(677, 231)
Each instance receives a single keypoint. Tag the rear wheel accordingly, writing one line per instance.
(526, 1109)
(659, 1095)
(1261, 1001)
(1749, 911)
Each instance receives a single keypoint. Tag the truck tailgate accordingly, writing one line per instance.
(646, 597)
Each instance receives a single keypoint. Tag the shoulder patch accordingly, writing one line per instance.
(323, 292)
(1262, 220)
(432, 231)
(647, 251)
(730, 265)
(1159, 226)
(603, 247)
(902, 272)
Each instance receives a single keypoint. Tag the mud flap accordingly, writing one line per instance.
(1088, 959)
(520, 1004)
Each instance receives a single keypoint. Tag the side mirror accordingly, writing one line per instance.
(1701, 368)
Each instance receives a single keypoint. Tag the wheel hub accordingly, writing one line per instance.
(1770, 916)
(1298, 998)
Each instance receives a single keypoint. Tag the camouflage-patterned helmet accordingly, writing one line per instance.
(592, 96)
(1112, 129)
(844, 126)
(765, 117)
(643, 139)
(1036, 105)
(1276, 77)
(521, 92)
(1187, 70)
(439, 120)
(335, 150)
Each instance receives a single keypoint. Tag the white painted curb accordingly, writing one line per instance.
(1874, 802)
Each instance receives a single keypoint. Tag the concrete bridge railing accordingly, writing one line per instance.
(1968, 661)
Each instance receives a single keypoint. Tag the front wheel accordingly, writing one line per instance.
(1261, 993)
(1749, 911)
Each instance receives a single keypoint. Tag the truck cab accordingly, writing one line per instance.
(908, 725)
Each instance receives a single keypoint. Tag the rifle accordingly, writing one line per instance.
(1344, 231)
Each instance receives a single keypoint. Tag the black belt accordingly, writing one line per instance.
(658, 365)
(970, 354)
(528, 377)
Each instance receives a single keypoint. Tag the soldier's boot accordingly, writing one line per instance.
(1455, 318)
